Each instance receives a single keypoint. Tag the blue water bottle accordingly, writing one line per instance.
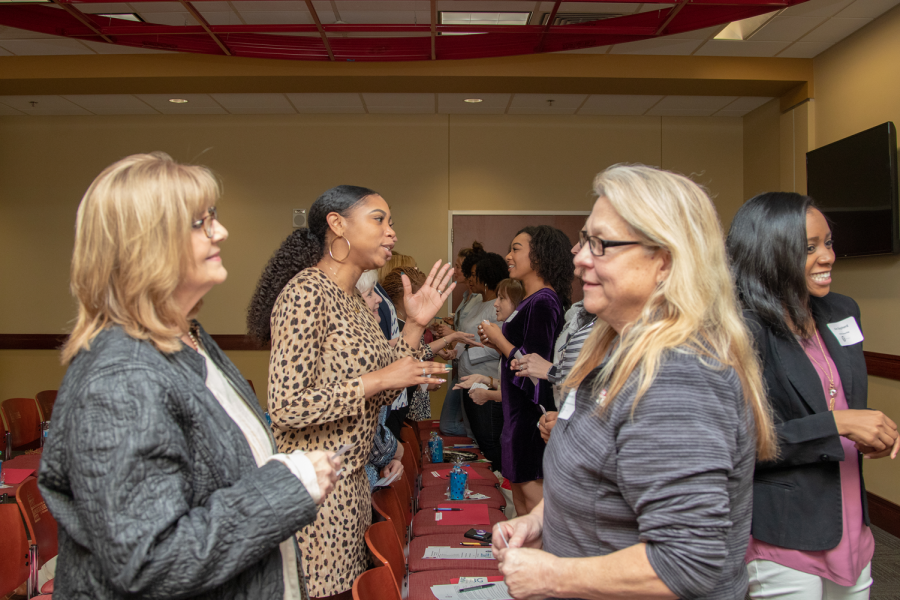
(458, 480)
(436, 446)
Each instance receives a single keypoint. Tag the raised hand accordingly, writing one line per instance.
(422, 306)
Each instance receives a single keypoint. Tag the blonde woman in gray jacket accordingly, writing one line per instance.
(160, 471)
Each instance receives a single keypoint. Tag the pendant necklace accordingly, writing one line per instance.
(832, 390)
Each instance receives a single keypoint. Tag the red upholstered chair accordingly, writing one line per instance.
(420, 583)
(376, 584)
(45, 401)
(405, 496)
(417, 547)
(14, 563)
(412, 459)
(483, 475)
(387, 551)
(387, 505)
(5, 438)
(24, 422)
(431, 496)
(42, 529)
(409, 434)
(424, 523)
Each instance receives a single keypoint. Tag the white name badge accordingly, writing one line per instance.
(847, 331)
(568, 407)
(511, 316)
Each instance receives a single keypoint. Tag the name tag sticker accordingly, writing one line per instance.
(568, 407)
(847, 331)
(512, 316)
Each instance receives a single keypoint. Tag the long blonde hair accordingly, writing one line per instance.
(132, 248)
(396, 261)
(695, 306)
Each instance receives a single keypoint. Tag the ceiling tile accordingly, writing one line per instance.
(658, 46)
(8, 111)
(699, 34)
(786, 29)
(679, 112)
(454, 104)
(484, 6)
(295, 17)
(105, 8)
(747, 103)
(740, 48)
(5, 52)
(11, 33)
(805, 49)
(868, 9)
(816, 8)
(327, 103)
(731, 113)
(44, 105)
(111, 104)
(219, 17)
(711, 103)
(834, 29)
(377, 16)
(419, 102)
(617, 105)
(624, 8)
(387, 5)
(269, 5)
(45, 47)
(561, 102)
(597, 50)
(160, 7)
(255, 104)
(213, 6)
(177, 18)
(104, 48)
(198, 104)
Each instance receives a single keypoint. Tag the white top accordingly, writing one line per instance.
(263, 451)
(482, 361)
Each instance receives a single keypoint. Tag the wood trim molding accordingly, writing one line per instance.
(883, 365)
(884, 514)
(50, 341)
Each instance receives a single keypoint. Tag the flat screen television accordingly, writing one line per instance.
(854, 182)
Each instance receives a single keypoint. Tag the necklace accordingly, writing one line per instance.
(194, 341)
(832, 391)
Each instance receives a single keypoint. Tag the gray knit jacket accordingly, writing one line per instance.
(154, 487)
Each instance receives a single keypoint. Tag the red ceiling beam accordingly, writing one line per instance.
(433, 29)
(196, 14)
(84, 20)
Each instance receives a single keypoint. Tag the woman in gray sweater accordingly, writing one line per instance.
(649, 469)
(160, 472)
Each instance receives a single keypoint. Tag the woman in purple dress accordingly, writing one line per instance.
(539, 257)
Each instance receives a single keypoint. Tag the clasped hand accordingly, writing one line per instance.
(527, 570)
(531, 365)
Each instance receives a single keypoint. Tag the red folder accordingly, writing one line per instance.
(471, 514)
(16, 476)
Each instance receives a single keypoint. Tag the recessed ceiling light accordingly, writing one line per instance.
(177, 100)
(473, 100)
(746, 28)
(123, 16)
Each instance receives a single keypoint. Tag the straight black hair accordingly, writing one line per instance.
(767, 248)
(302, 249)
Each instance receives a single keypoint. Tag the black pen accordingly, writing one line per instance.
(479, 587)
(446, 509)
(475, 544)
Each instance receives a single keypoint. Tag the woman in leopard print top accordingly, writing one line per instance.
(331, 368)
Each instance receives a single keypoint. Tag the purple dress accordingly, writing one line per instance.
(532, 329)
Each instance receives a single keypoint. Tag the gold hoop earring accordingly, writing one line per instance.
(331, 248)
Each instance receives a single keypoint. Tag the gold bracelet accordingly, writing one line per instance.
(492, 381)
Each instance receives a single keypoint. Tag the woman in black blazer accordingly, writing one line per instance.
(810, 534)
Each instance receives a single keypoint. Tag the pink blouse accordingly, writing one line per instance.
(843, 563)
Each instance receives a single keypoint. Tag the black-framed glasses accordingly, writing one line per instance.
(207, 221)
(597, 245)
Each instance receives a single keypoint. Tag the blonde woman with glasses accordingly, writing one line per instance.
(649, 471)
(161, 472)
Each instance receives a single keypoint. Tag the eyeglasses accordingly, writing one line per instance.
(207, 221)
(598, 246)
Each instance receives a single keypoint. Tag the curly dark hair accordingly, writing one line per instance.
(302, 249)
(475, 253)
(491, 270)
(551, 259)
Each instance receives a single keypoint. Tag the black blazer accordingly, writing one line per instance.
(797, 497)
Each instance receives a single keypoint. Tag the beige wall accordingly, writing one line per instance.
(269, 165)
